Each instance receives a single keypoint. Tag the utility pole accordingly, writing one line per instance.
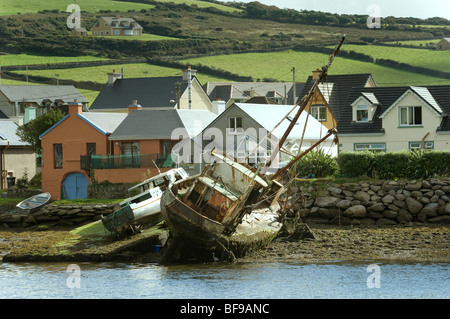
(294, 93)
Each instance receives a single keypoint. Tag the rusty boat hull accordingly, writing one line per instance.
(187, 223)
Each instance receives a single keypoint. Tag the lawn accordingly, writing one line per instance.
(99, 74)
(24, 58)
(431, 59)
(8, 7)
(278, 66)
(32, 6)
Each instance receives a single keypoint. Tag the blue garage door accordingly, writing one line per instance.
(75, 186)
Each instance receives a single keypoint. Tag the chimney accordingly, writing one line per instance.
(218, 106)
(134, 106)
(75, 107)
(187, 76)
(112, 77)
(316, 74)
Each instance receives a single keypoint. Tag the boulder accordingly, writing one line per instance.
(343, 204)
(404, 216)
(357, 211)
(413, 186)
(443, 219)
(327, 201)
(413, 205)
(362, 196)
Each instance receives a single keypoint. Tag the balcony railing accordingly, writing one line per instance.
(125, 161)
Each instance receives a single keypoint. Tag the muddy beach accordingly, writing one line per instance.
(414, 243)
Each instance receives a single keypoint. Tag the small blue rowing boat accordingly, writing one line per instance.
(34, 202)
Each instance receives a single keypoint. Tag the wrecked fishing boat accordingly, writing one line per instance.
(226, 191)
(145, 207)
(215, 203)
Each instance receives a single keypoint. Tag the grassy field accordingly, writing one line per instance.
(143, 37)
(432, 59)
(99, 74)
(417, 43)
(278, 66)
(8, 7)
(24, 58)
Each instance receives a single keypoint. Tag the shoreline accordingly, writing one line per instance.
(406, 243)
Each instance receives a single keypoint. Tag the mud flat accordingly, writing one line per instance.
(412, 243)
(415, 243)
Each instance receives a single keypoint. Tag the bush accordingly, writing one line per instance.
(356, 164)
(399, 165)
(318, 164)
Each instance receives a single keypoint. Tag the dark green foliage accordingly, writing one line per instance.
(400, 165)
(317, 163)
(31, 131)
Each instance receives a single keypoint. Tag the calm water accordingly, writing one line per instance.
(225, 281)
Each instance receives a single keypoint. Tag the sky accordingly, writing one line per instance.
(398, 8)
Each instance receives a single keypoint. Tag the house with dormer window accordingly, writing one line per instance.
(392, 119)
(331, 95)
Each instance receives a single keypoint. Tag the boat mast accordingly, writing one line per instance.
(305, 100)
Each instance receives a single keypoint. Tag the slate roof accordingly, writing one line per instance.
(160, 124)
(38, 93)
(8, 134)
(342, 84)
(437, 97)
(241, 90)
(121, 22)
(157, 92)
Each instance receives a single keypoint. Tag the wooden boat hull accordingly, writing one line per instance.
(186, 223)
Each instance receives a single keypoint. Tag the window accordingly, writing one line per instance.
(362, 113)
(95, 32)
(58, 155)
(132, 151)
(319, 112)
(116, 32)
(234, 123)
(106, 32)
(428, 145)
(91, 149)
(410, 116)
(375, 147)
(167, 146)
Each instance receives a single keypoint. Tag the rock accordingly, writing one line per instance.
(443, 219)
(357, 211)
(378, 207)
(343, 204)
(444, 210)
(375, 215)
(329, 213)
(430, 209)
(414, 205)
(400, 203)
(388, 199)
(439, 193)
(362, 196)
(385, 221)
(367, 221)
(334, 190)
(413, 186)
(416, 194)
(390, 214)
(327, 201)
(400, 196)
(404, 216)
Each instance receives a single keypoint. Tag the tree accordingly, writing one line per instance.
(31, 131)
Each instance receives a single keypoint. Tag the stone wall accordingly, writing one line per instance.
(53, 215)
(377, 202)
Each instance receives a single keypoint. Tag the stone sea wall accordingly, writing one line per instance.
(377, 202)
(53, 215)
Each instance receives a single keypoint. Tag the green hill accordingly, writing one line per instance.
(251, 40)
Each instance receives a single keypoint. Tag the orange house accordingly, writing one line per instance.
(78, 133)
(86, 147)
